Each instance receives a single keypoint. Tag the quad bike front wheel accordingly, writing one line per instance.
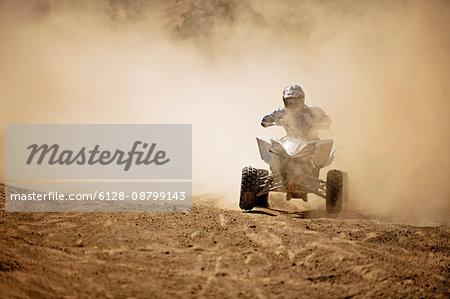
(262, 177)
(251, 179)
(248, 188)
(335, 183)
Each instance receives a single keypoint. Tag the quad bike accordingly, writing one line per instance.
(295, 165)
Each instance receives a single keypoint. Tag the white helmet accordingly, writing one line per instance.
(293, 96)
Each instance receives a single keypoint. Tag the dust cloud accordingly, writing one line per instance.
(379, 69)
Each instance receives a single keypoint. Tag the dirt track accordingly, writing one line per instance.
(215, 252)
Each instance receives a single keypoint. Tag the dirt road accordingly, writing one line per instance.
(216, 252)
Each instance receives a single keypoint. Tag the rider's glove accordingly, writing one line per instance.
(267, 121)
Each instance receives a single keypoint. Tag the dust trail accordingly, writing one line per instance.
(379, 69)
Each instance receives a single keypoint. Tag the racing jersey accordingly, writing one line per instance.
(304, 122)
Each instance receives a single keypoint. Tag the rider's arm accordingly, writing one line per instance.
(272, 119)
(321, 120)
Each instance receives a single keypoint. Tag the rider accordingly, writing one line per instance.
(298, 119)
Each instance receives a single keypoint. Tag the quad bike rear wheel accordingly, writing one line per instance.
(334, 191)
(251, 179)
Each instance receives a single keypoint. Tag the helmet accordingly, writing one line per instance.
(293, 96)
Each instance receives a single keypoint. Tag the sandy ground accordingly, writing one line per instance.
(216, 252)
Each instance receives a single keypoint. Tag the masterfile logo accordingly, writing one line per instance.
(98, 168)
(53, 155)
(99, 151)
